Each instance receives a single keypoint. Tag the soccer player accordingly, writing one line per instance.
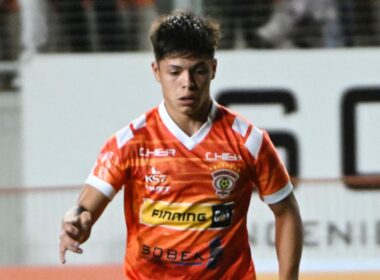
(187, 169)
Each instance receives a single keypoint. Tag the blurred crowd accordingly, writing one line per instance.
(29, 26)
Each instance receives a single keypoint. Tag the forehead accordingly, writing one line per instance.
(184, 61)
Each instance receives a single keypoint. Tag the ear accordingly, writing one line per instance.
(156, 70)
(214, 66)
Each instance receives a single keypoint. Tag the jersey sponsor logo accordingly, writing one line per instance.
(216, 252)
(185, 256)
(144, 152)
(184, 216)
(224, 181)
(222, 215)
(173, 255)
(156, 182)
(210, 156)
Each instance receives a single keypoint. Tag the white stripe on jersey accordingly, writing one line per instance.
(279, 195)
(123, 136)
(240, 126)
(140, 122)
(254, 141)
(101, 186)
(188, 141)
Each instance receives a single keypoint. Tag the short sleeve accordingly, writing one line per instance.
(108, 175)
(272, 178)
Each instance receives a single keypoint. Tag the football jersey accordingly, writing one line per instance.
(187, 197)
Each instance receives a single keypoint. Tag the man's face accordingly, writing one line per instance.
(185, 83)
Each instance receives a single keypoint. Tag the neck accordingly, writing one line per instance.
(190, 124)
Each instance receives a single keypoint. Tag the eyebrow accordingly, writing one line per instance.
(199, 64)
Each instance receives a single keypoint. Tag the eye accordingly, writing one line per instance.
(201, 71)
(174, 73)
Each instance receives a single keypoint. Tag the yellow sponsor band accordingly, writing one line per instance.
(176, 215)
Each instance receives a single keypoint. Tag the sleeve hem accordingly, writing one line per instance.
(104, 187)
(279, 195)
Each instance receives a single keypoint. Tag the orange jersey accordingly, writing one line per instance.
(186, 198)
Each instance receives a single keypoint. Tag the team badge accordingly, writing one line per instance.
(224, 181)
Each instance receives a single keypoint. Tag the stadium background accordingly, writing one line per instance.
(320, 100)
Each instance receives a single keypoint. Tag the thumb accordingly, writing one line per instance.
(85, 220)
(85, 223)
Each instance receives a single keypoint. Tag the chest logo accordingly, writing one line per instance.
(145, 152)
(209, 156)
(156, 182)
(224, 181)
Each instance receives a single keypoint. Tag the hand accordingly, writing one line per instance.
(75, 230)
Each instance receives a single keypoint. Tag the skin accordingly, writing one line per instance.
(185, 83)
(77, 223)
(288, 237)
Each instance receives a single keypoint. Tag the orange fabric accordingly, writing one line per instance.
(267, 164)
(186, 208)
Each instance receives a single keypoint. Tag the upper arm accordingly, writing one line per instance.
(270, 175)
(288, 205)
(93, 200)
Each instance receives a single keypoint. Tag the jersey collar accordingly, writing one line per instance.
(188, 141)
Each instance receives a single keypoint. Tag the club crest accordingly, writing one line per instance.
(224, 181)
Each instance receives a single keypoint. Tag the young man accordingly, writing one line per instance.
(188, 168)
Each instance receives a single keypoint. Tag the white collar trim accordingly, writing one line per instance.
(188, 141)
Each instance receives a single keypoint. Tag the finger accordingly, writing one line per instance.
(70, 229)
(85, 220)
(70, 244)
(71, 218)
(63, 248)
(62, 253)
(75, 248)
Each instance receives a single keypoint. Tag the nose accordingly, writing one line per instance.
(187, 80)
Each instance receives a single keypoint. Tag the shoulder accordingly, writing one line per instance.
(137, 126)
(229, 114)
(238, 122)
(251, 135)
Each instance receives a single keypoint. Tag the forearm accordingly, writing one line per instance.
(93, 201)
(78, 220)
(289, 242)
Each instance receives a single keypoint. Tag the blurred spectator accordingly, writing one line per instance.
(105, 25)
(360, 22)
(303, 23)
(9, 39)
(239, 15)
(376, 19)
(138, 15)
(34, 22)
(365, 23)
(122, 25)
(164, 6)
(75, 28)
(110, 30)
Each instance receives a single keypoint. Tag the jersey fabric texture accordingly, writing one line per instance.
(186, 198)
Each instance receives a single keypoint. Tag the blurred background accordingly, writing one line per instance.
(72, 72)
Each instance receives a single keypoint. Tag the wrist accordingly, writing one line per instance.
(73, 213)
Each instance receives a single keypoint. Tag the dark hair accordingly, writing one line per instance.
(184, 33)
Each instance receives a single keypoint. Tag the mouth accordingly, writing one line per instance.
(187, 100)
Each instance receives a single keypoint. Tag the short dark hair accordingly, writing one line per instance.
(184, 33)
